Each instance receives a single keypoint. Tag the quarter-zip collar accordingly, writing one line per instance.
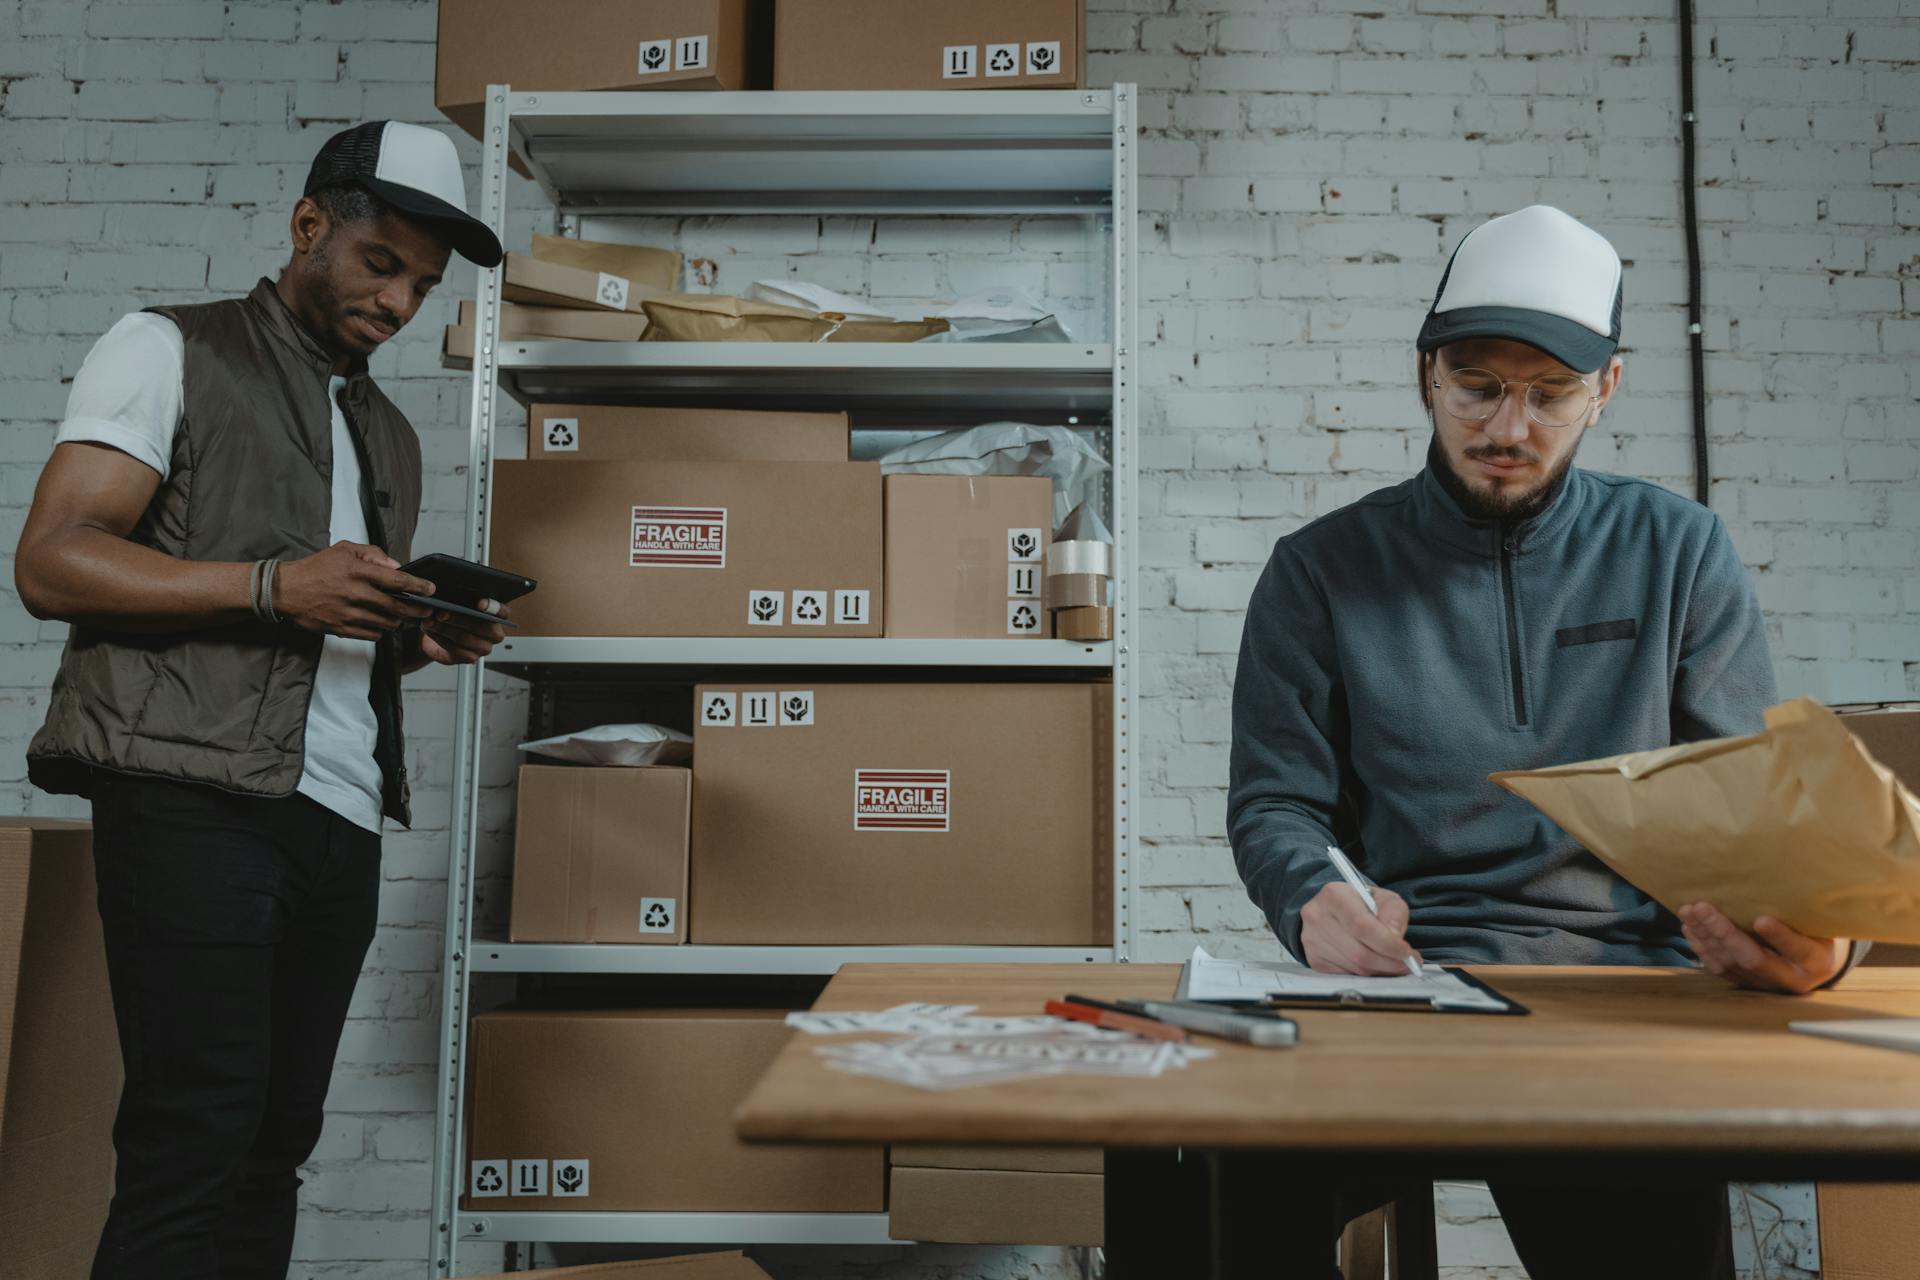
(280, 321)
(1441, 517)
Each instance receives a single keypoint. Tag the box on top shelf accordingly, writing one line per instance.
(594, 44)
(632, 1110)
(600, 854)
(901, 813)
(692, 548)
(967, 556)
(961, 44)
(632, 433)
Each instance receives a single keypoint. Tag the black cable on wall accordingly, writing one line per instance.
(1696, 337)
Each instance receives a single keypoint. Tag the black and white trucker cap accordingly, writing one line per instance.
(414, 169)
(1537, 276)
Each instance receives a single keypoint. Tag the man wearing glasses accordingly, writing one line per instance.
(1502, 610)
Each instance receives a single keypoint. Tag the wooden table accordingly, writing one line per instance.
(1633, 1068)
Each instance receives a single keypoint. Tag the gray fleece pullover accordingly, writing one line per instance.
(1397, 652)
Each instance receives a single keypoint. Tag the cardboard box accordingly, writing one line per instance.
(996, 1206)
(558, 284)
(1006, 1159)
(520, 322)
(967, 556)
(632, 1109)
(59, 1052)
(692, 548)
(902, 813)
(628, 433)
(962, 44)
(1891, 731)
(600, 855)
(637, 263)
(1868, 1231)
(593, 44)
(732, 1265)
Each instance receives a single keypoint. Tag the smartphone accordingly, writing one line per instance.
(460, 586)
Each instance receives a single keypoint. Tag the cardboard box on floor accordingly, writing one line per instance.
(1871, 1231)
(995, 1206)
(59, 1052)
(630, 433)
(594, 44)
(967, 556)
(960, 44)
(732, 1265)
(632, 1109)
(902, 813)
(600, 854)
(692, 548)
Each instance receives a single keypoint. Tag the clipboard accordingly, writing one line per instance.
(1501, 1006)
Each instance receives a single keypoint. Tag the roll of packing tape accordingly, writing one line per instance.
(1077, 590)
(1080, 557)
(1083, 624)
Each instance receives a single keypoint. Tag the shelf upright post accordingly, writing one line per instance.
(1126, 508)
(469, 716)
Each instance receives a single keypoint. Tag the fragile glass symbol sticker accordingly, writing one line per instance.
(655, 56)
(570, 1177)
(957, 61)
(529, 1177)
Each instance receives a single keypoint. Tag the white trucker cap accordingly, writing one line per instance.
(1538, 276)
(414, 169)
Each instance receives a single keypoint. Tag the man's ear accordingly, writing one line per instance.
(308, 225)
(1609, 383)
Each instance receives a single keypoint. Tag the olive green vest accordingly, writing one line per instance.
(251, 477)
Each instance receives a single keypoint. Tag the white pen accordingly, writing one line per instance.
(1351, 875)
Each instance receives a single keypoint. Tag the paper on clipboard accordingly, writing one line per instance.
(1210, 978)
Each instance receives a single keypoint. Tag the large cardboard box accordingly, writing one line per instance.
(962, 44)
(59, 1053)
(1891, 731)
(967, 556)
(600, 854)
(902, 813)
(592, 44)
(1868, 1231)
(632, 1109)
(692, 548)
(630, 433)
(996, 1206)
(732, 1265)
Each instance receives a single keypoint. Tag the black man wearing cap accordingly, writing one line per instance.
(222, 523)
(1504, 609)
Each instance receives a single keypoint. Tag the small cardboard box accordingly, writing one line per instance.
(632, 1109)
(962, 44)
(59, 1052)
(967, 556)
(521, 322)
(732, 1265)
(902, 813)
(560, 284)
(1006, 1159)
(692, 548)
(628, 433)
(996, 1206)
(600, 854)
(592, 44)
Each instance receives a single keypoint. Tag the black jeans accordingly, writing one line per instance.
(235, 929)
(1271, 1218)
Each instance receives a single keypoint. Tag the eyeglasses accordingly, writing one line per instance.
(1475, 395)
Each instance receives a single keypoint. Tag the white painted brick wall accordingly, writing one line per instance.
(1305, 169)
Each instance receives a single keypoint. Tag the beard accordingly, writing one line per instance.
(1498, 503)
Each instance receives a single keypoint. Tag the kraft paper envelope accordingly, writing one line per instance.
(1799, 823)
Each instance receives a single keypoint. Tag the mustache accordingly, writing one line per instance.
(386, 318)
(1496, 453)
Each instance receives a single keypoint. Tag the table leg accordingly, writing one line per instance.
(1159, 1219)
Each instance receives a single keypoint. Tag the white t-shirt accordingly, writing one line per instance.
(128, 394)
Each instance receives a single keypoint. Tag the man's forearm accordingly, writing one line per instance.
(95, 578)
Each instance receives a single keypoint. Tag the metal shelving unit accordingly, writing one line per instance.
(602, 157)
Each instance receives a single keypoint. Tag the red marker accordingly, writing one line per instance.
(1133, 1023)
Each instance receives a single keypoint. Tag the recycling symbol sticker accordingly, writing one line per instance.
(810, 608)
(656, 916)
(1043, 59)
(1023, 619)
(611, 290)
(570, 1177)
(489, 1177)
(563, 435)
(796, 707)
(1003, 60)
(717, 710)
